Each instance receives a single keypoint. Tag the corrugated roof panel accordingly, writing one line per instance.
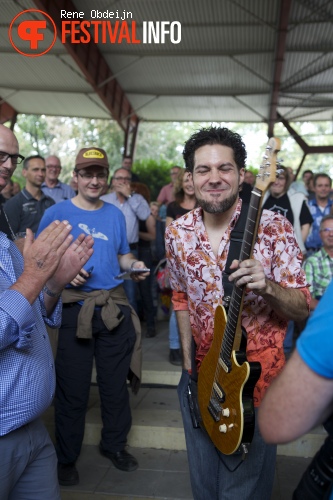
(184, 108)
(50, 103)
(194, 75)
(47, 72)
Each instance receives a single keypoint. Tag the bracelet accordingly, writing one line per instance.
(131, 268)
(50, 293)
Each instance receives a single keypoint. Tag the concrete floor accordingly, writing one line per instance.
(162, 474)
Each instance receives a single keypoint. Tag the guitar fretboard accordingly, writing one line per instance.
(238, 292)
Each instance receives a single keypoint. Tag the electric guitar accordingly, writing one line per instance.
(226, 380)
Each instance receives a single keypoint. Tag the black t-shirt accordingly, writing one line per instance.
(174, 210)
(282, 206)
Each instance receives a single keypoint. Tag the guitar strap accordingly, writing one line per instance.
(236, 240)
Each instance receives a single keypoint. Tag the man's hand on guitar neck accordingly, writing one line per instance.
(249, 273)
(290, 303)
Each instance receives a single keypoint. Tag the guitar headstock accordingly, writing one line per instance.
(267, 170)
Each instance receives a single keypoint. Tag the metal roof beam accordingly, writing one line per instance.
(93, 65)
(279, 59)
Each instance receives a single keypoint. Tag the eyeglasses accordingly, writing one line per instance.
(122, 179)
(326, 230)
(16, 159)
(90, 177)
(53, 166)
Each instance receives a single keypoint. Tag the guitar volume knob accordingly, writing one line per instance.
(225, 412)
(223, 428)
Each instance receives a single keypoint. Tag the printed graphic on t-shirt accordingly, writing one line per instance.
(93, 232)
(279, 210)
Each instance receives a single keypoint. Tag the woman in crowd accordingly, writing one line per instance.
(184, 202)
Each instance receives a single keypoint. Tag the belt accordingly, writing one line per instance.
(133, 246)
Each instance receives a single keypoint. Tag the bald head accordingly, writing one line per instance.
(9, 145)
(53, 169)
(7, 137)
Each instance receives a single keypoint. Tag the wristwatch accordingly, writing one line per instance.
(129, 196)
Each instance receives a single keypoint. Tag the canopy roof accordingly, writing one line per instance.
(238, 60)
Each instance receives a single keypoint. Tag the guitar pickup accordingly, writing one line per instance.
(225, 364)
(214, 409)
(218, 391)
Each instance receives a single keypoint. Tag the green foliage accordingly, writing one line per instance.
(159, 144)
(64, 137)
(153, 173)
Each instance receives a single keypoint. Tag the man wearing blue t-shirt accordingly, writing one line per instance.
(97, 321)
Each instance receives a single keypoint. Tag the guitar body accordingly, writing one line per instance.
(229, 392)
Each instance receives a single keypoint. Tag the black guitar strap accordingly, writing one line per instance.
(236, 240)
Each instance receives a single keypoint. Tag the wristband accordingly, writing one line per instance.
(54, 295)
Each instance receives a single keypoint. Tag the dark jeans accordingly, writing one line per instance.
(145, 288)
(28, 464)
(74, 361)
(210, 471)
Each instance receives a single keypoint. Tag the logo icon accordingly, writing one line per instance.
(93, 153)
(33, 32)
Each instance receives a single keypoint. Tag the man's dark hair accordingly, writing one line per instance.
(211, 136)
(307, 172)
(321, 174)
(127, 156)
(32, 157)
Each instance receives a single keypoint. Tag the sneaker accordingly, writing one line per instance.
(121, 459)
(175, 357)
(68, 474)
(151, 332)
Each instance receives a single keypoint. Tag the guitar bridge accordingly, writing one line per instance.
(214, 409)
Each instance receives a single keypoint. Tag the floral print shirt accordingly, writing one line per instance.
(196, 280)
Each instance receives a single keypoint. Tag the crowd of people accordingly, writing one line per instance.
(63, 265)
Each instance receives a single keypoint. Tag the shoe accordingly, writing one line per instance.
(121, 459)
(151, 332)
(68, 474)
(175, 357)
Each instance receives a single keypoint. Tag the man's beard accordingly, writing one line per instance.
(219, 206)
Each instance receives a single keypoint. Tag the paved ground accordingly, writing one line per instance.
(162, 474)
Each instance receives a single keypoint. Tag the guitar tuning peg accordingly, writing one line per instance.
(268, 148)
(279, 171)
(265, 157)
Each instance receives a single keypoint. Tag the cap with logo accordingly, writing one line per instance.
(91, 157)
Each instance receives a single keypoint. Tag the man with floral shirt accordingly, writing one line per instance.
(197, 246)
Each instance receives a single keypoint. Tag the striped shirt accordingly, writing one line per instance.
(319, 272)
(27, 368)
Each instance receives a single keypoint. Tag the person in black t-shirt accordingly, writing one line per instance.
(291, 204)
